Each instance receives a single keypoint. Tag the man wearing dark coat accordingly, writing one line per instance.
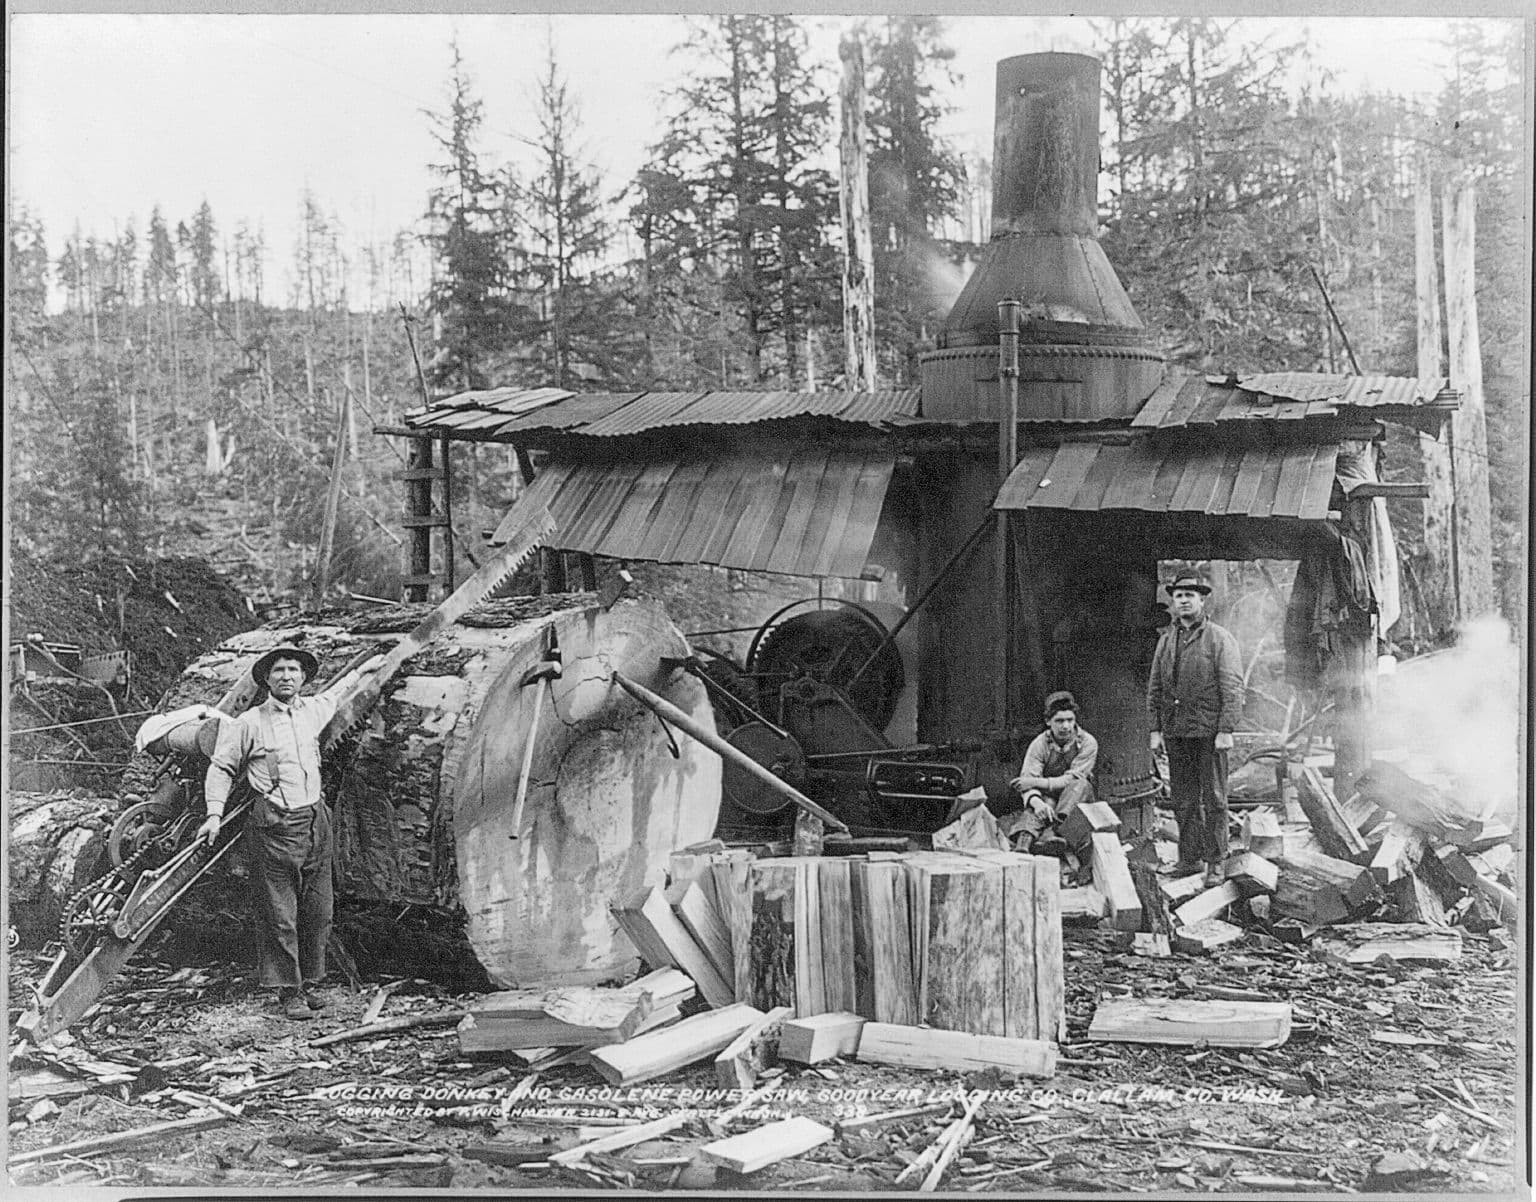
(1194, 702)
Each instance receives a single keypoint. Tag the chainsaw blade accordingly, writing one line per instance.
(355, 707)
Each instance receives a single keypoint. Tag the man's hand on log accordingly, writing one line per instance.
(1224, 741)
(209, 831)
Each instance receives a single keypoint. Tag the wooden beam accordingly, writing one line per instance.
(657, 1052)
(882, 943)
(769, 1144)
(926, 1047)
(957, 924)
(754, 1050)
(1112, 878)
(1333, 830)
(1210, 904)
(1188, 1021)
(834, 889)
(1252, 873)
(818, 1037)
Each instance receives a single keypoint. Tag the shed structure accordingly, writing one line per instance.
(1080, 469)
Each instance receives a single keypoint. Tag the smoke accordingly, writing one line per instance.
(945, 279)
(1455, 715)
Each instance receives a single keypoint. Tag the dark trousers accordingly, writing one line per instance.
(1197, 785)
(293, 875)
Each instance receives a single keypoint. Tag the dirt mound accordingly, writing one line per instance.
(164, 612)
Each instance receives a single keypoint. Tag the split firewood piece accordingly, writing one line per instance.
(656, 1052)
(1319, 889)
(1206, 936)
(576, 1016)
(1252, 873)
(730, 871)
(1261, 833)
(976, 828)
(626, 1137)
(1112, 878)
(1087, 820)
(1186, 1021)
(819, 1037)
(754, 1050)
(1418, 902)
(117, 1140)
(780, 934)
(958, 919)
(1209, 904)
(1179, 889)
(925, 1047)
(1323, 811)
(694, 905)
(1363, 942)
(1400, 850)
(1083, 906)
(664, 942)
(839, 978)
(882, 942)
(769, 1144)
(1155, 919)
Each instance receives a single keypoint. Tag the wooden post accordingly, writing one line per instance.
(1473, 541)
(858, 257)
(332, 499)
(448, 572)
(1438, 580)
(418, 492)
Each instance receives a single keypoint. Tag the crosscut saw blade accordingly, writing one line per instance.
(362, 696)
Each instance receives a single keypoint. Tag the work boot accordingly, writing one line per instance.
(314, 997)
(1049, 844)
(1187, 868)
(293, 1004)
(1214, 875)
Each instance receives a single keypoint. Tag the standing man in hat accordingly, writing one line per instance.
(1194, 701)
(277, 745)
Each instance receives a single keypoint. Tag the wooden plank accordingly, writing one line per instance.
(657, 1052)
(778, 911)
(1333, 829)
(695, 908)
(883, 971)
(625, 1137)
(648, 920)
(733, 896)
(1112, 878)
(811, 993)
(1087, 820)
(960, 1051)
(1361, 943)
(517, 1019)
(1261, 833)
(1082, 906)
(1252, 873)
(1209, 904)
(754, 1050)
(835, 898)
(1021, 1010)
(1417, 901)
(1181, 888)
(1155, 918)
(1206, 936)
(769, 1144)
(818, 1037)
(958, 959)
(1400, 850)
(1189, 1021)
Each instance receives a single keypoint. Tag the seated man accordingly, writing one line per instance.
(1057, 775)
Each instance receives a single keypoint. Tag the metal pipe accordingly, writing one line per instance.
(1007, 457)
(668, 712)
(922, 599)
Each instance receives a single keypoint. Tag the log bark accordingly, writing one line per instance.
(56, 846)
(1437, 580)
(858, 258)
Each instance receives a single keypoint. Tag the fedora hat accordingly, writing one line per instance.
(1190, 581)
(262, 666)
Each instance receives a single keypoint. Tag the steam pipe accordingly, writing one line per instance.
(1007, 457)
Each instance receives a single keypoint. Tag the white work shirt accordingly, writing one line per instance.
(287, 736)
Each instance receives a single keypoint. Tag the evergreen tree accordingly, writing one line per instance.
(568, 238)
(26, 277)
(470, 297)
(915, 181)
(203, 247)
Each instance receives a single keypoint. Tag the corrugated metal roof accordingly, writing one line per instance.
(805, 513)
(1280, 481)
(1185, 399)
(504, 412)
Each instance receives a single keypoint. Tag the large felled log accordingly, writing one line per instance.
(56, 846)
(424, 806)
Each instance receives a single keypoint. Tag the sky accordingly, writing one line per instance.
(110, 114)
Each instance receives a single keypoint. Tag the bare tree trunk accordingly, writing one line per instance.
(1469, 430)
(1438, 580)
(858, 257)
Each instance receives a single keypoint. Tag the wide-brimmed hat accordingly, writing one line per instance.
(1190, 581)
(262, 666)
